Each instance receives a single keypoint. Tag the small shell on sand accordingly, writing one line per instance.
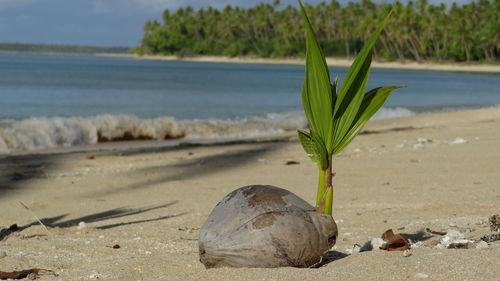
(81, 225)
(453, 237)
(458, 141)
(421, 275)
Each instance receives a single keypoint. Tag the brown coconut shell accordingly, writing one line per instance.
(265, 226)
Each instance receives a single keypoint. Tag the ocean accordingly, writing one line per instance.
(53, 100)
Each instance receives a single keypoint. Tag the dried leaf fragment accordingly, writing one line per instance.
(495, 223)
(468, 245)
(491, 238)
(395, 242)
(435, 232)
(24, 273)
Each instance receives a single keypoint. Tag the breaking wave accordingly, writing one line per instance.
(45, 132)
(394, 112)
(50, 132)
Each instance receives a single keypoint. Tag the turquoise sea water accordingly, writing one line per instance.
(75, 99)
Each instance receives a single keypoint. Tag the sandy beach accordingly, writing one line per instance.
(133, 212)
(332, 62)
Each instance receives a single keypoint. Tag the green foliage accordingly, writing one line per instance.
(417, 31)
(336, 117)
(47, 48)
(314, 148)
(317, 96)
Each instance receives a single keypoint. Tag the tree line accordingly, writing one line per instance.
(417, 31)
(48, 48)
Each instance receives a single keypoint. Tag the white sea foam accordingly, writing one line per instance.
(44, 132)
(38, 133)
(386, 113)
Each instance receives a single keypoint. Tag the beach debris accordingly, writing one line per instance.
(95, 275)
(495, 223)
(373, 244)
(394, 242)
(424, 140)
(292, 162)
(421, 142)
(458, 141)
(452, 224)
(481, 221)
(356, 248)
(435, 232)
(14, 228)
(481, 245)
(462, 245)
(91, 157)
(416, 244)
(257, 226)
(35, 216)
(3, 254)
(421, 275)
(407, 253)
(116, 246)
(81, 225)
(454, 240)
(491, 238)
(188, 229)
(31, 273)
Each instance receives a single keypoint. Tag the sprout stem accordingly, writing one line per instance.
(324, 198)
(321, 187)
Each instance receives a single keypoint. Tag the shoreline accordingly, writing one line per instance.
(331, 61)
(373, 127)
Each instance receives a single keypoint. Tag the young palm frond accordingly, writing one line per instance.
(336, 117)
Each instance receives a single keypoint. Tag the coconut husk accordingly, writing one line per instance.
(265, 226)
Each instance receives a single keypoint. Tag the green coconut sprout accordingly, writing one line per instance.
(336, 116)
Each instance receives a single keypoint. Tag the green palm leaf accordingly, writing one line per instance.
(372, 102)
(351, 93)
(336, 117)
(316, 90)
(314, 149)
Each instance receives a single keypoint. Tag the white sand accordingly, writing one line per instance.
(152, 202)
(339, 62)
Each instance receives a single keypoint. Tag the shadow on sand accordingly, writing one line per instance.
(231, 158)
(329, 257)
(16, 170)
(58, 221)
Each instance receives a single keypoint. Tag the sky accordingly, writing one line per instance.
(98, 22)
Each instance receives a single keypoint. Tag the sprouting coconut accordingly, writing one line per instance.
(266, 226)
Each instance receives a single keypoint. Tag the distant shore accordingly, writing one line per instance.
(333, 62)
